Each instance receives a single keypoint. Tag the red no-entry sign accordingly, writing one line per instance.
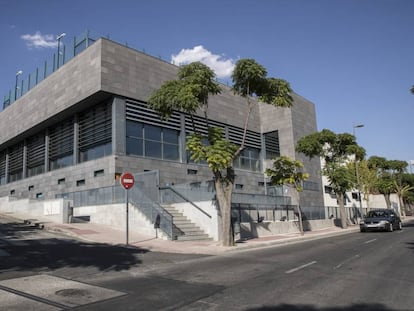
(127, 180)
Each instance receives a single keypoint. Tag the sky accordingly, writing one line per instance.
(354, 59)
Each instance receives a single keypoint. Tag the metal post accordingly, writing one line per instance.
(357, 170)
(15, 86)
(58, 52)
(127, 217)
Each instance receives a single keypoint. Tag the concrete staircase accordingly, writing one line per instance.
(184, 229)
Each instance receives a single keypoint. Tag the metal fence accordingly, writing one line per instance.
(116, 194)
(258, 213)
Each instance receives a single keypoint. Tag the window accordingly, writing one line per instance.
(328, 190)
(95, 132)
(80, 182)
(61, 145)
(35, 160)
(239, 186)
(31, 188)
(61, 181)
(16, 162)
(2, 167)
(98, 173)
(272, 144)
(151, 141)
(191, 172)
(248, 160)
(39, 195)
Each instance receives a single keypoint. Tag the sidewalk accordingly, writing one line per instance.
(105, 234)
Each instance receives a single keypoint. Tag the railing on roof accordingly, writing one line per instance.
(65, 53)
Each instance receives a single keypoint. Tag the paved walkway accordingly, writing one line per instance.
(105, 234)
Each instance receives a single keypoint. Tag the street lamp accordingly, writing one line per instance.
(58, 38)
(15, 86)
(356, 168)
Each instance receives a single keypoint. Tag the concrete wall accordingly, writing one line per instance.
(114, 215)
(78, 79)
(257, 230)
(51, 210)
(47, 184)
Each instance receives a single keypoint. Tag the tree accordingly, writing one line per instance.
(389, 176)
(367, 179)
(287, 171)
(412, 89)
(190, 93)
(335, 150)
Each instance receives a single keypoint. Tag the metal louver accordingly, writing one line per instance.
(61, 139)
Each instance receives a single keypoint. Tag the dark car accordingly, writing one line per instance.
(381, 219)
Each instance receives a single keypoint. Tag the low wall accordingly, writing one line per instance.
(114, 215)
(266, 228)
(56, 210)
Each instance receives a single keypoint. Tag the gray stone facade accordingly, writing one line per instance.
(107, 71)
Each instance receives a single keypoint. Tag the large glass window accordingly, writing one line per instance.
(249, 159)
(151, 141)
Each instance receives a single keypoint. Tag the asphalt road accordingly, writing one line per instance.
(357, 271)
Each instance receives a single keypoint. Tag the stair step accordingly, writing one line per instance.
(184, 229)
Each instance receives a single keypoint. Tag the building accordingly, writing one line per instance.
(87, 122)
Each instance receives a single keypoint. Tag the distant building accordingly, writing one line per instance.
(87, 122)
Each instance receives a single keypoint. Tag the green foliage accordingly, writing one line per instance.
(335, 149)
(217, 151)
(340, 177)
(188, 93)
(287, 171)
(249, 79)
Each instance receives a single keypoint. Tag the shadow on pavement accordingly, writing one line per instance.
(354, 307)
(28, 253)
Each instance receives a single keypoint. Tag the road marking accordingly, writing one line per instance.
(370, 241)
(346, 261)
(300, 267)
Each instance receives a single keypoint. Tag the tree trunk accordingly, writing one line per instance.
(387, 200)
(402, 205)
(224, 192)
(342, 212)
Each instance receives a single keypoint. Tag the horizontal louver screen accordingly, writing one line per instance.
(61, 139)
(16, 158)
(2, 163)
(272, 143)
(95, 126)
(36, 150)
(138, 111)
(252, 138)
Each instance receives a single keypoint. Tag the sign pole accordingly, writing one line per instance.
(127, 181)
(127, 217)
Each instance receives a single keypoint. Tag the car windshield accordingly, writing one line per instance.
(374, 214)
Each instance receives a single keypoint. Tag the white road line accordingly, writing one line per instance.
(300, 267)
(370, 241)
(344, 262)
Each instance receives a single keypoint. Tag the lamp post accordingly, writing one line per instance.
(15, 86)
(356, 168)
(58, 38)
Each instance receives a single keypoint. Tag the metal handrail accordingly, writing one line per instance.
(185, 199)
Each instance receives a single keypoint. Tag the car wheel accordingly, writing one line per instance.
(390, 228)
(361, 230)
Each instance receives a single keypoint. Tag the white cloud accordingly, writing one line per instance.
(40, 41)
(220, 65)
